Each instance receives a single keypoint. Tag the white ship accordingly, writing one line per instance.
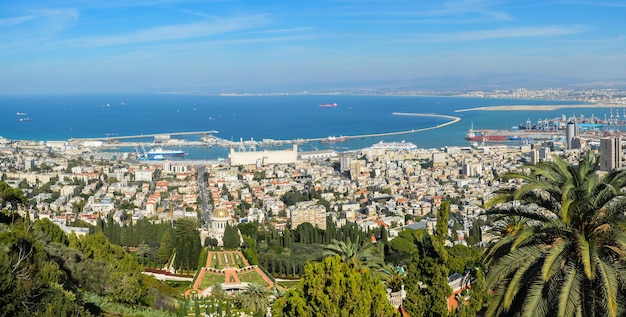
(394, 146)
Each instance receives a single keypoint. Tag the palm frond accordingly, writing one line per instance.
(570, 292)
(585, 255)
(518, 279)
(553, 259)
(535, 304)
(511, 263)
(609, 283)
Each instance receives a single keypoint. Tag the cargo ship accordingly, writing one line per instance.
(475, 135)
(160, 153)
(334, 139)
(325, 105)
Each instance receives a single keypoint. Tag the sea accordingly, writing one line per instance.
(61, 117)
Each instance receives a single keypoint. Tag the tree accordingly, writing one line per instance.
(255, 298)
(31, 283)
(566, 259)
(232, 240)
(441, 228)
(165, 248)
(400, 250)
(210, 242)
(14, 196)
(187, 244)
(217, 291)
(334, 288)
(355, 254)
(428, 291)
(393, 276)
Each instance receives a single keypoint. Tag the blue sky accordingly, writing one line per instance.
(265, 45)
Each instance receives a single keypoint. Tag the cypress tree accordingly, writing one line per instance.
(232, 240)
(165, 248)
(441, 228)
(187, 244)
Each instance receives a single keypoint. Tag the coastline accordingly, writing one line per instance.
(226, 143)
(540, 107)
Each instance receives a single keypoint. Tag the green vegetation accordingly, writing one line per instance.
(428, 292)
(355, 254)
(562, 252)
(286, 253)
(44, 272)
(254, 298)
(232, 240)
(210, 279)
(252, 277)
(334, 288)
(187, 244)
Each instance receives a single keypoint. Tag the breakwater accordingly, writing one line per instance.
(213, 140)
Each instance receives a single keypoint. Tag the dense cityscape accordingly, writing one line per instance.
(458, 158)
(413, 227)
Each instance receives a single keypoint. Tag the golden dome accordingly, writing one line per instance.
(220, 212)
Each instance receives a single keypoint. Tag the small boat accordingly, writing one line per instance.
(21, 113)
(25, 119)
(326, 105)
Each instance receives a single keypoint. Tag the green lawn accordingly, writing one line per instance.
(211, 279)
(238, 260)
(252, 277)
(214, 261)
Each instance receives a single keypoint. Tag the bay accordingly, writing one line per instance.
(61, 117)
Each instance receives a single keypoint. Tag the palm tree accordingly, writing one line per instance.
(355, 253)
(563, 253)
(393, 276)
(255, 297)
(218, 291)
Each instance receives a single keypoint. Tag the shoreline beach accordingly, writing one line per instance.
(540, 107)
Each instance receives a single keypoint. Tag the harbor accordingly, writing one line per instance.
(208, 139)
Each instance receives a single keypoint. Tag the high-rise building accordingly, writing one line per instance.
(544, 153)
(570, 133)
(610, 153)
(345, 162)
(534, 156)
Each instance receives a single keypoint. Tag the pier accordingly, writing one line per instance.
(211, 140)
(452, 119)
(114, 138)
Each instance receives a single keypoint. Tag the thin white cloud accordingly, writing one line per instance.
(16, 20)
(46, 17)
(172, 32)
(34, 29)
(520, 32)
(462, 11)
(291, 30)
(464, 7)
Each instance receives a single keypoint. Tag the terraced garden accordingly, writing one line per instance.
(222, 268)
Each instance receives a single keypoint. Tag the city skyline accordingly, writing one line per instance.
(221, 46)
